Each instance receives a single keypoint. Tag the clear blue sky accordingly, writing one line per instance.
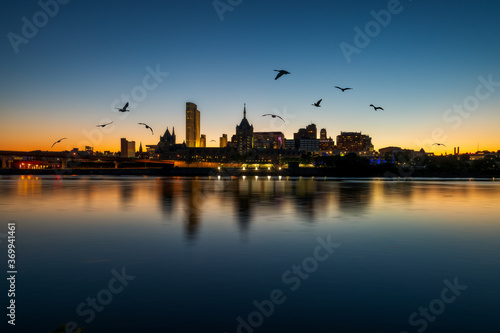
(64, 80)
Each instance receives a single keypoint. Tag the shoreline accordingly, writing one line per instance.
(319, 173)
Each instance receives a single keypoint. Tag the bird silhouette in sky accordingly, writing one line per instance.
(272, 115)
(376, 107)
(439, 144)
(343, 89)
(317, 103)
(104, 125)
(124, 109)
(147, 126)
(57, 142)
(281, 73)
(213, 141)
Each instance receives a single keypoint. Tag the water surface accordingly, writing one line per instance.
(205, 254)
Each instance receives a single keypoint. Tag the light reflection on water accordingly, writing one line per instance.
(203, 250)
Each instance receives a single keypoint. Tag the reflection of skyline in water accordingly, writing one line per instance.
(243, 204)
(191, 202)
(126, 195)
(236, 233)
(354, 197)
(304, 193)
(166, 194)
(194, 207)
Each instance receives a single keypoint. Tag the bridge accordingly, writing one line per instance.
(76, 158)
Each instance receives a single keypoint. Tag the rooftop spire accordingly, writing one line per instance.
(245, 110)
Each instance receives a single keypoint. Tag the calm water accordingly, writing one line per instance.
(203, 255)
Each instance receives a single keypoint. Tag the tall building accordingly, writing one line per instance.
(244, 134)
(223, 141)
(203, 141)
(131, 149)
(198, 138)
(322, 134)
(192, 125)
(354, 141)
(127, 148)
(123, 147)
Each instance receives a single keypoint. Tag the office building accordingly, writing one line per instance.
(127, 148)
(310, 132)
(244, 134)
(223, 141)
(192, 125)
(354, 141)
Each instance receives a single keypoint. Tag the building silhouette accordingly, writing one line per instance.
(354, 141)
(322, 134)
(244, 134)
(167, 141)
(310, 132)
(127, 148)
(203, 141)
(223, 141)
(305, 139)
(192, 125)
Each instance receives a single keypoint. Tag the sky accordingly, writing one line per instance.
(433, 67)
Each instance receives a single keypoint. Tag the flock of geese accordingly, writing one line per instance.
(123, 109)
(281, 72)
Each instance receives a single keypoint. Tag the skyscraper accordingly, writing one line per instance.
(131, 149)
(123, 147)
(244, 134)
(127, 148)
(192, 125)
(203, 141)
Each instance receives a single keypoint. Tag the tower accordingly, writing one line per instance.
(244, 134)
(192, 125)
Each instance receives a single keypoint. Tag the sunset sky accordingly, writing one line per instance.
(421, 63)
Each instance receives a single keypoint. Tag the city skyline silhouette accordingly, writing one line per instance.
(432, 67)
